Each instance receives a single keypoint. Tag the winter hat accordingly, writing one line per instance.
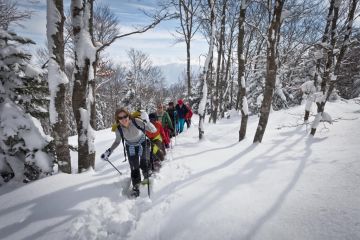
(152, 117)
(180, 101)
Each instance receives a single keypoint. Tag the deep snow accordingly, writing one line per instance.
(291, 186)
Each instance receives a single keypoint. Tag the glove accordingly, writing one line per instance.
(106, 155)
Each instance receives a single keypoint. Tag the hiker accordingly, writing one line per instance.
(188, 115)
(181, 111)
(173, 116)
(131, 130)
(158, 148)
(166, 122)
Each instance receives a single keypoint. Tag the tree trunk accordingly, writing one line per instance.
(188, 70)
(218, 68)
(329, 63)
(324, 40)
(208, 61)
(85, 56)
(270, 71)
(57, 84)
(241, 73)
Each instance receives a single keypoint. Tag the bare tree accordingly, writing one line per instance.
(241, 72)
(219, 69)
(271, 67)
(331, 68)
(57, 82)
(10, 13)
(187, 12)
(202, 105)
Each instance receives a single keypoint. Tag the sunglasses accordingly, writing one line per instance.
(122, 117)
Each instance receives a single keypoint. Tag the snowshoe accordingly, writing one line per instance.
(135, 192)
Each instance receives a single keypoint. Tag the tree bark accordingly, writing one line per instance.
(207, 65)
(330, 56)
(56, 53)
(241, 72)
(83, 77)
(271, 69)
(218, 68)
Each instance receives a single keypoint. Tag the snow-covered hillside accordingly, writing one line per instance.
(291, 186)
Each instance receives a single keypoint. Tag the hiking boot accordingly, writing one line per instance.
(135, 191)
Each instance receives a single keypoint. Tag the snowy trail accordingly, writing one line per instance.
(291, 186)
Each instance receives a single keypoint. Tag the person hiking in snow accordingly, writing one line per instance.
(188, 115)
(158, 149)
(181, 111)
(166, 122)
(173, 116)
(132, 131)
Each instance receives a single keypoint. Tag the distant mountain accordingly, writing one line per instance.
(173, 72)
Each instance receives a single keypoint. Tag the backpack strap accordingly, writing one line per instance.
(137, 125)
(122, 140)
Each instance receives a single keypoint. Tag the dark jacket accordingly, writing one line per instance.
(181, 110)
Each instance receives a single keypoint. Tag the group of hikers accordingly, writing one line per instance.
(145, 137)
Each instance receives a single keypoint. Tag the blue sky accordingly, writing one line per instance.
(158, 43)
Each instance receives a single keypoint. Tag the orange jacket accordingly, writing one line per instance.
(159, 128)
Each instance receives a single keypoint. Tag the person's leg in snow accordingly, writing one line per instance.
(135, 170)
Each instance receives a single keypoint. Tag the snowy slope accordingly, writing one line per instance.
(291, 186)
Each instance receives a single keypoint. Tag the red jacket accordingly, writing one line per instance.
(160, 130)
(189, 113)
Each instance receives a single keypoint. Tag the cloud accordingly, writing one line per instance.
(158, 42)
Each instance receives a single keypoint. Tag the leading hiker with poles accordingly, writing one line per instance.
(131, 130)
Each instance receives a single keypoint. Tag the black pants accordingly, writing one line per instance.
(138, 162)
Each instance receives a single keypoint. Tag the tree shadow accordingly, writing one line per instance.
(68, 198)
(247, 174)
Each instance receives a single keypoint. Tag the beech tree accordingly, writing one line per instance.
(58, 82)
(241, 72)
(204, 92)
(271, 67)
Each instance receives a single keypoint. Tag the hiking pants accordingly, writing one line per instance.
(138, 162)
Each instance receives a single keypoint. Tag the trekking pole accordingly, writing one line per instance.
(114, 166)
(147, 162)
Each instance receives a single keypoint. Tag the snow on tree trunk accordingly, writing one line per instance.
(82, 98)
(241, 73)
(309, 89)
(328, 75)
(57, 82)
(202, 104)
(218, 68)
(271, 69)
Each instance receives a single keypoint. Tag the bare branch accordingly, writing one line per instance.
(157, 20)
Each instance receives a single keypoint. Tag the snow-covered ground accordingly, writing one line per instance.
(291, 186)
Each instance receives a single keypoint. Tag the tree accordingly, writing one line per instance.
(202, 104)
(144, 82)
(241, 72)
(271, 67)
(57, 82)
(331, 68)
(24, 148)
(219, 69)
(10, 13)
(83, 98)
(187, 13)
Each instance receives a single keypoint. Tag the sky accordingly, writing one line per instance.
(158, 42)
(290, 186)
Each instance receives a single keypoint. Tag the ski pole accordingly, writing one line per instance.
(114, 166)
(146, 158)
